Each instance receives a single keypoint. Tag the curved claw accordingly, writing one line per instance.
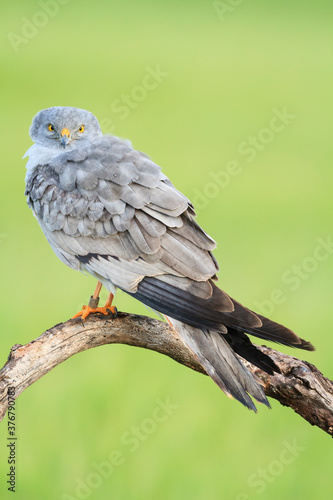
(87, 310)
(113, 311)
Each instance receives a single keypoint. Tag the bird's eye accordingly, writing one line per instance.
(51, 127)
(81, 129)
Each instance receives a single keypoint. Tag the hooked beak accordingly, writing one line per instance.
(64, 137)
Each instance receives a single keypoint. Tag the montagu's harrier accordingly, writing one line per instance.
(108, 210)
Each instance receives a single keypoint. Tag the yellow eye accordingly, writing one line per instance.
(51, 127)
(81, 129)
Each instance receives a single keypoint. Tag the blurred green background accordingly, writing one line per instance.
(219, 73)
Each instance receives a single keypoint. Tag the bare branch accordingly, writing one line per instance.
(300, 385)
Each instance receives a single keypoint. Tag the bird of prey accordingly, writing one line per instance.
(108, 210)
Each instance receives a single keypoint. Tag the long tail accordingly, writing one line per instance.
(214, 326)
(222, 365)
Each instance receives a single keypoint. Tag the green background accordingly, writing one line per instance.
(225, 69)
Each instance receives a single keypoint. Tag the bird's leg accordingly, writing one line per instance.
(92, 307)
(97, 290)
(108, 303)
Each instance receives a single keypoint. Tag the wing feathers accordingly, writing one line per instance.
(275, 332)
(183, 305)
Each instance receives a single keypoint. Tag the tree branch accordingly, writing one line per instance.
(300, 385)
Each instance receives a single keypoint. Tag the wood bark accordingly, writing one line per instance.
(301, 386)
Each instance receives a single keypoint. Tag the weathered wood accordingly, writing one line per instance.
(300, 385)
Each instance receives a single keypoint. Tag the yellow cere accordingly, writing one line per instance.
(64, 131)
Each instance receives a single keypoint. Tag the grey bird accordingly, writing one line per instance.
(108, 210)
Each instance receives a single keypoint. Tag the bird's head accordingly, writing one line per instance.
(61, 127)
